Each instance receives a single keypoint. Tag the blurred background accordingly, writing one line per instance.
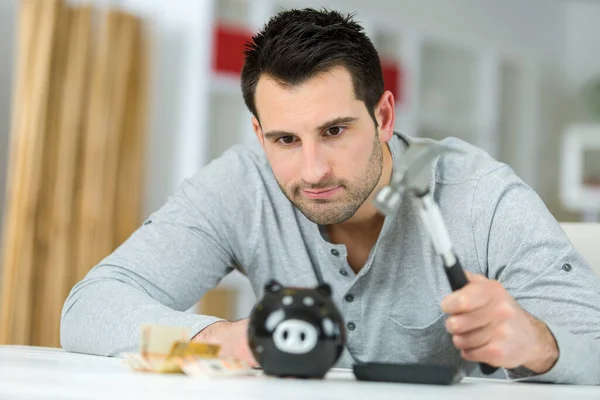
(107, 105)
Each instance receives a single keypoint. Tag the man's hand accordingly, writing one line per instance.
(231, 336)
(487, 325)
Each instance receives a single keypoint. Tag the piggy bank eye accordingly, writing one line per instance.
(287, 300)
(273, 320)
(308, 301)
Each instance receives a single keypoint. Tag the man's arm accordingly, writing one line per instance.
(162, 270)
(522, 246)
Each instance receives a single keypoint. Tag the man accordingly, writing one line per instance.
(301, 199)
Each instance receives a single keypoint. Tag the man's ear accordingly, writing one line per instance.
(385, 114)
(258, 130)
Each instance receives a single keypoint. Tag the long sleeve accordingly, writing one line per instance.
(181, 251)
(521, 245)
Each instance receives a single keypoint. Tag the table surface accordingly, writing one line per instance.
(37, 372)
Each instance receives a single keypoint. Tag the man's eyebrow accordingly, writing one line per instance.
(323, 126)
(337, 121)
(277, 134)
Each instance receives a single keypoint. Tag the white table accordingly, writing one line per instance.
(35, 372)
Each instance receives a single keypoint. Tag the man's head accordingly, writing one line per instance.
(314, 85)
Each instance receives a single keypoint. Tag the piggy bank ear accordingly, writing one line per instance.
(273, 286)
(324, 289)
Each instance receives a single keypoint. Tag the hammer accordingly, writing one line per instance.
(413, 176)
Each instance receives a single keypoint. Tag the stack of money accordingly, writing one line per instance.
(163, 347)
(168, 350)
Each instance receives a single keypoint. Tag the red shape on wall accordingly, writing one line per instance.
(392, 78)
(228, 49)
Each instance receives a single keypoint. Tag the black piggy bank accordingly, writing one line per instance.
(296, 332)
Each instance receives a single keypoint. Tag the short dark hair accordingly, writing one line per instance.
(295, 45)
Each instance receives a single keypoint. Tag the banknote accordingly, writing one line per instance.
(202, 367)
(182, 348)
(161, 347)
(157, 340)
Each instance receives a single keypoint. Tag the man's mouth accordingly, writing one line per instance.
(321, 193)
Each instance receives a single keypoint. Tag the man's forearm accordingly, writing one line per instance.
(104, 317)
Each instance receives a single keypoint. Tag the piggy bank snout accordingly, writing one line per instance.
(295, 336)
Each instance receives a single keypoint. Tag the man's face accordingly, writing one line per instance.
(322, 144)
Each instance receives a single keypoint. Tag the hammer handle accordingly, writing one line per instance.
(458, 279)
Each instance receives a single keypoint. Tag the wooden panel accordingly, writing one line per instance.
(106, 115)
(55, 287)
(76, 157)
(23, 193)
(130, 179)
(28, 23)
(42, 269)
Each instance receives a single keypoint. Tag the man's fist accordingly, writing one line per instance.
(487, 325)
(231, 336)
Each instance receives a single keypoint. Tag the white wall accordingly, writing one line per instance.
(582, 36)
(582, 53)
(529, 28)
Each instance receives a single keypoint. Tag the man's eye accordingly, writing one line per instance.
(335, 131)
(286, 140)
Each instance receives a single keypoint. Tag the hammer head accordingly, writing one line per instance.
(413, 174)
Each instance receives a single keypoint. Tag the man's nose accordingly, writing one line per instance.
(314, 163)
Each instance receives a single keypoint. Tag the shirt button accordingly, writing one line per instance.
(343, 272)
(335, 252)
(567, 267)
(349, 298)
(351, 326)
